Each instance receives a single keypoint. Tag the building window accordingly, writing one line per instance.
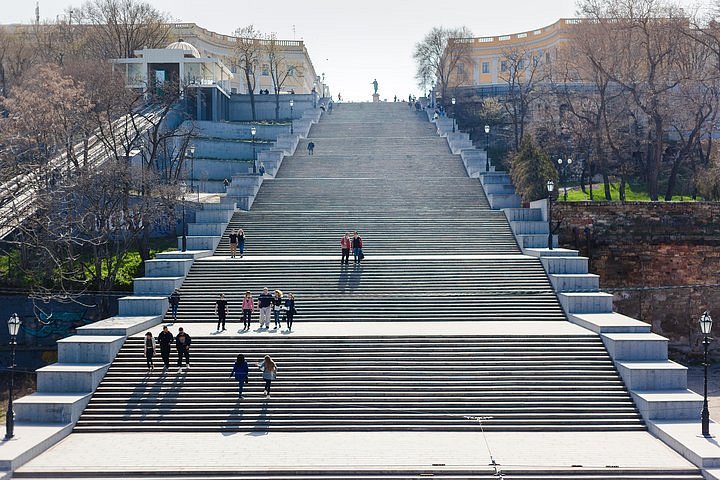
(547, 57)
(291, 70)
(265, 69)
(486, 67)
(521, 64)
(461, 68)
(503, 66)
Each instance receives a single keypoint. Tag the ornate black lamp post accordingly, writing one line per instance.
(550, 188)
(452, 100)
(292, 103)
(253, 131)
(14, 323)
(705, 328)
(314, 94)
(487, 148)
(183, 187)
(564, 165)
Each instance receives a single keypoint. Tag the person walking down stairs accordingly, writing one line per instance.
(182, 343)
(269, 373)
(149, 351)
(240, 371)
(174, 301)
(165, 339)
(311, 148)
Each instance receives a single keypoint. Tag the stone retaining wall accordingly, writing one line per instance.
(660, 260)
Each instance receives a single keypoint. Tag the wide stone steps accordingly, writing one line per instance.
(361, 383)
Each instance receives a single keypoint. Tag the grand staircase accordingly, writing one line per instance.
(435, 252)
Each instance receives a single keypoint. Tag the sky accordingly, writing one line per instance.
(352, 42)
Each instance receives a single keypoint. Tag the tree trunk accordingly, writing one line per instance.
(622, 187)
(582, 178)
(277, 105)
(590, 181)
(606, 183)
(655, 160)
(672, 179)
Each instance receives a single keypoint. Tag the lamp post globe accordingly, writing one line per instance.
(13, 323)
(253, 131)
(487, 148)
(292, 104)
(550, 187)
(706, 322)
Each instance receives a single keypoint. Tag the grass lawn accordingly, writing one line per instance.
(633, 193)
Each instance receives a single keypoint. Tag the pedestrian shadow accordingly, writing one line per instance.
(350, 278)
(154, 397)
(262, 424)
(232, 424)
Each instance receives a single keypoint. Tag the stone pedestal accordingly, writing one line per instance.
(376, 98)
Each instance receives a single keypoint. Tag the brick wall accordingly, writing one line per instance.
(660, 260)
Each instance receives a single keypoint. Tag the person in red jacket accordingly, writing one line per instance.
(345, 243)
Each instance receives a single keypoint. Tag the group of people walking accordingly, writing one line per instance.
(281, 307)
(356, 244)
(241, 372)
(164, 342)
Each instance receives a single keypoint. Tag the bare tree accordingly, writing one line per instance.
(438, 55)
(523, 73)
(119, 27)
(644, 35)
(280, 69)
(247, 55)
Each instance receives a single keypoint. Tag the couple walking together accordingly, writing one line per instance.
(241, 372)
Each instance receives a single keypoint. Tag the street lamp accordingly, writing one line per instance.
(452, 100)
(705, 328)
(564, 165)
(550, 188)
(253, 131)
(292, 103)
(487, 148)
(314, 94)
(13, 327)
(191, 152)
(183, 187)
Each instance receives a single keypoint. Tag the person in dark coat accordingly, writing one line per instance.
(182, 343)
(174, 303)
(221, 310)
(357, 247)
(149, 351)
(240, 372)
(165, 339)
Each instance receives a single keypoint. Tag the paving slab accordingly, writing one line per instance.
(29, 441)
(369, 258)
(125, 452)
(685, 438)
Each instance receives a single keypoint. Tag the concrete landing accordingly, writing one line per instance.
(29, 441)
(125, 453)
(373, 329)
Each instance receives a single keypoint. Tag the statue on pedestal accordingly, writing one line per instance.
(375, 85)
